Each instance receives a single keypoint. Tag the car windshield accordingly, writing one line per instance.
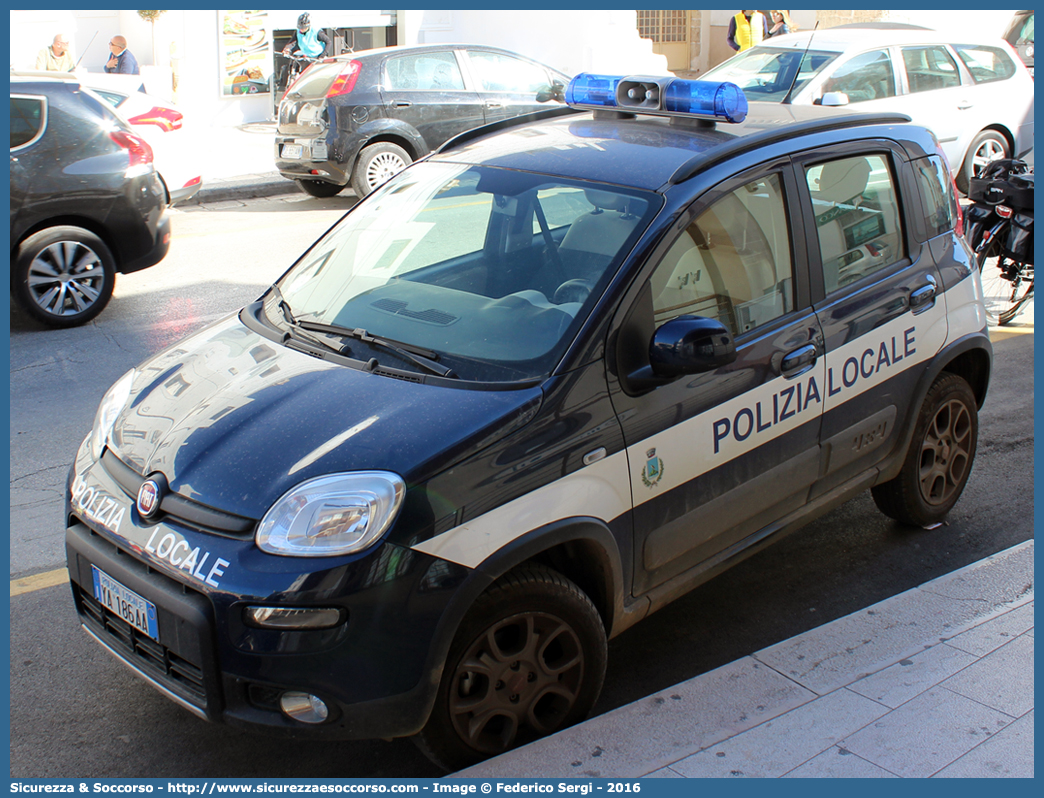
(766, 73)
(490, 271)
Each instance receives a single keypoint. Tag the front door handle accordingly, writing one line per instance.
(799, 361)
(924, 297)
(494, 104)
(401, 104)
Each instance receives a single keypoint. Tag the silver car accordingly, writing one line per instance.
(975, 94)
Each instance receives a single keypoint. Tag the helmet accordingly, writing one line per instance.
(304, 22)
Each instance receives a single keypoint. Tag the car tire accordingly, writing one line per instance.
(320, 188)
(940, 457)
(63, 276)
(988, 146)
(528, 660)
(377, 164)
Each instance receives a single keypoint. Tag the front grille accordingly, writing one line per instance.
(156, 660)
(184, 510)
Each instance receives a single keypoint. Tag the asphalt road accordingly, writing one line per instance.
(75, 712)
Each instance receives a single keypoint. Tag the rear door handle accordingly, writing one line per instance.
(964, 105)
(494, 104)
(799, 361)
(401, 104)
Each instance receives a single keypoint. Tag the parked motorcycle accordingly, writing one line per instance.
(999, 225)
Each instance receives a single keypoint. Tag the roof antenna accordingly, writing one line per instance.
(797, 72)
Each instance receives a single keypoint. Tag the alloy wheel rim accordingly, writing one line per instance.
(945, 452)
(382, 168)
(66, 278)
(988, 152)
(518, 679)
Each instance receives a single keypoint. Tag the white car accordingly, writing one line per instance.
(974, 93)
(157, 121)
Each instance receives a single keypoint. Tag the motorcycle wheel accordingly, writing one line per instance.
(1006, 284)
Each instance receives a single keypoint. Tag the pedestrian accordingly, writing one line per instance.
(747, 29)
(56, 57)
(121, 59)
(781, 23)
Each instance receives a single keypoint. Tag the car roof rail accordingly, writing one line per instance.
(760, 138)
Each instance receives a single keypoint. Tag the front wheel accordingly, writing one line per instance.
(529, 659)
(63, 276)
(940, 458)
(1007, 285)
(320, 188)
(376, 165)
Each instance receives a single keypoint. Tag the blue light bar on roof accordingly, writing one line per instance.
(663, 96)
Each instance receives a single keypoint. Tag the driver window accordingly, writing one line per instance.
(732, 263)
(868, 76)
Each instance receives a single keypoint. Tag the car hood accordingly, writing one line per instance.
(233, 420)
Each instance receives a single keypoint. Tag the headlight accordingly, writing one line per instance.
(112, 403)
(331, 515)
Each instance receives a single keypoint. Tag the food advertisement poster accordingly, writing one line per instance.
(245, 53)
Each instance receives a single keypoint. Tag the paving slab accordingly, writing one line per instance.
(926, 734)
(993, 634)
(911, 676)
(778, 746)
(1007, 754)
(999, 680)
(839, 763)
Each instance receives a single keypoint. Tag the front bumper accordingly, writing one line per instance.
(377, 673)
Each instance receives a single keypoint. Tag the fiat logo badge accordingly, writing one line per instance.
(148, 498)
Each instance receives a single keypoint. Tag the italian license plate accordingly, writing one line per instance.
(292, 150)
(125, 603)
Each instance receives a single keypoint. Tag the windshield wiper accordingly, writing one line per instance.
(425, 358)
(294, 329)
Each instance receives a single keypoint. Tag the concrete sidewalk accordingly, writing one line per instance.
(934, 682)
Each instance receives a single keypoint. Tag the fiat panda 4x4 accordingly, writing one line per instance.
(525, 394)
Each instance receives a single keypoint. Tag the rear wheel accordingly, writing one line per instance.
(320, 188)
(63, 276)
(940, 458)
(987, 147)
(376, 165)
(1006, 284)
(528, 660)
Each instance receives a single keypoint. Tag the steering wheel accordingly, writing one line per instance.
(572, 291)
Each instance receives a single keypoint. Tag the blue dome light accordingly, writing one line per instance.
(704, 98)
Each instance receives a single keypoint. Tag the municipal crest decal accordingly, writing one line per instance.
(653, 470)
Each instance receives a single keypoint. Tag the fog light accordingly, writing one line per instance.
(293, 617)
(304, 707)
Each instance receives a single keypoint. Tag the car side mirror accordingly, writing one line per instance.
(834, 98)
(681, 346)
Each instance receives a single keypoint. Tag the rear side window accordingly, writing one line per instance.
(868, 76)
(731, 264)
(28, 118)
(937, 197)
(424, 72)
(497, 72)
(986, 64)
(930, 68)
(857, 217)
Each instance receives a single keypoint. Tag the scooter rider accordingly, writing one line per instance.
(307, 41)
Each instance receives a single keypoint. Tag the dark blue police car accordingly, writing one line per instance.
(526, 393)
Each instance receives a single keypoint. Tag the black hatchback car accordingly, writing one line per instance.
(86, 201)
(362, 118)
(523, 395)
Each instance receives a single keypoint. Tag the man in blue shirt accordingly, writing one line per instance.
(121, 59)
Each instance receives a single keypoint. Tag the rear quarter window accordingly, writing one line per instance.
(986, 64)
(937, 197)
(28, 118)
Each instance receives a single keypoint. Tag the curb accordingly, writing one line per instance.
(242, 188)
